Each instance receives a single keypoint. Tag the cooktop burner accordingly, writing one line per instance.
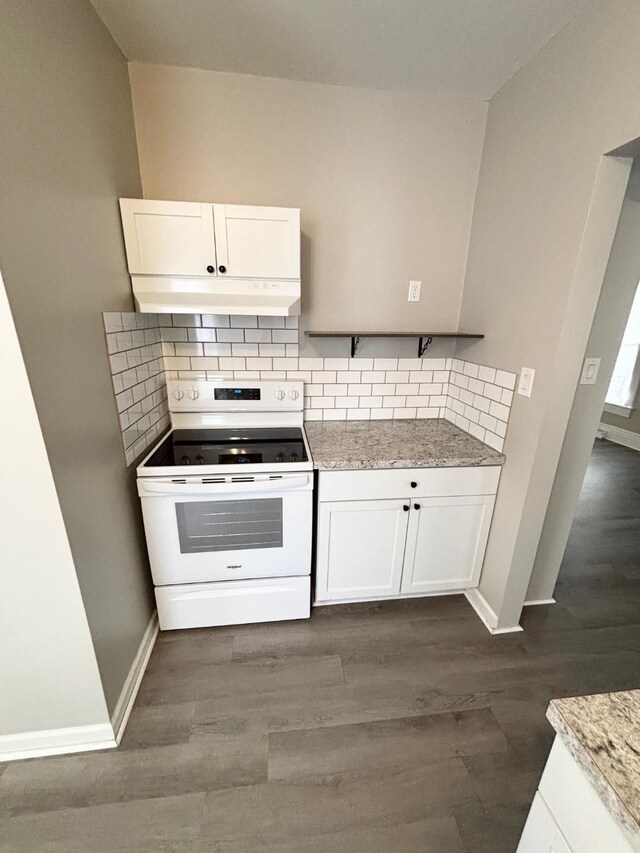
(229, 447)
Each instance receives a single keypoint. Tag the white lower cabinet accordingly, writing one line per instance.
(361, 548)
(568, 814)
(431, 541)
(542, 834)
(446, 541)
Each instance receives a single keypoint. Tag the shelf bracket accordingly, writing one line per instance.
(423, 345)
(355, 340)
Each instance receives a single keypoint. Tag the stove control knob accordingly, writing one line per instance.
(178, 393)
(280, 457)
(279, 394)
(294, 394)
(293, 457)
(193, 393)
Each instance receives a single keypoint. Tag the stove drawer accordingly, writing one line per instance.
(203, 605)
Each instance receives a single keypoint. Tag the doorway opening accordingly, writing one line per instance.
(587, 558)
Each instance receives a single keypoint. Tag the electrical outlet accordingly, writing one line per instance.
(525, 385)
(414, 291)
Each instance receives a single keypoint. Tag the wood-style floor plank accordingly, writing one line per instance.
(394, 727)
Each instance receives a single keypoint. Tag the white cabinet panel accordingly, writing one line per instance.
(168, 237)
(446, 542)
(258, 242)
(408, 483)
(541, 833)
(360, 549)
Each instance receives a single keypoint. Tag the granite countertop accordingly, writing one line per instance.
(602, 732)
(425, 443)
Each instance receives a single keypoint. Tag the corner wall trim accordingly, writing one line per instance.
(619, 435)
(486, 613)
(122, 711)
(56, 741)
(536, 601)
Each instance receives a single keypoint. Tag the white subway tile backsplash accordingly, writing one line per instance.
(137, 373)
(271, 322)
(243, 321)
(257, 336)
(217, 349)
(499, 411)
(336, 363)
(230, 336)
(324, 375)
(222, 347)
(245, 349)
(285, 336)
(362, 364)
(216, 321)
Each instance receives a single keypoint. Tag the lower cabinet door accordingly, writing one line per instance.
(541, 833)
(446, 542)
(360, 549)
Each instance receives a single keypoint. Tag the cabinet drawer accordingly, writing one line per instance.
(396, 483)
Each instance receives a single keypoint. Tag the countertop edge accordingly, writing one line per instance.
(604, 788)
(379, 464)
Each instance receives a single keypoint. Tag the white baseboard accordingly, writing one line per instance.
(619, 435)
(536, 601)
(56, 741)
(122, 711)
(486, 613)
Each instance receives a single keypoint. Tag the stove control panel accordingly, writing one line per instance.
(245, 395)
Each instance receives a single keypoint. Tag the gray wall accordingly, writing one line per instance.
(386, 182)
(631, 424)
(67, 151)
(544, 202)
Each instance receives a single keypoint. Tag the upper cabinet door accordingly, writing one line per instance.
(168, 237)
(446, 542)
(257, 242)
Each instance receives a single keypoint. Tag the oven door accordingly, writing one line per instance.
(245, 527)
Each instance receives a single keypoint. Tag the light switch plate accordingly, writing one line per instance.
(590, 370)
(414, 291)
(525, 383)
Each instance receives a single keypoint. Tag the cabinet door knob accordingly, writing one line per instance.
(211, 269)
(406, 507)
(222, 269)
(416, 506)
(414, 485)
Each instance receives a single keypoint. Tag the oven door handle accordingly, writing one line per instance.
(168, 487)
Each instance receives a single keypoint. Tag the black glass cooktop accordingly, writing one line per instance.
(229, 447)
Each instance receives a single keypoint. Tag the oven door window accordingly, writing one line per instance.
(229, 525)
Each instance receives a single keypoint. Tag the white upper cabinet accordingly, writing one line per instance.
(168, 237)
(257, 242)
(174, 238)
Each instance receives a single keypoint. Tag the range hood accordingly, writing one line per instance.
(193, 295)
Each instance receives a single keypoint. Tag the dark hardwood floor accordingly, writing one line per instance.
(402, 727)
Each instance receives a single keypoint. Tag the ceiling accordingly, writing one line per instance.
(469, 46)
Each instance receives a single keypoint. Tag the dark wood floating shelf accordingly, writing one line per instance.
(424, 338)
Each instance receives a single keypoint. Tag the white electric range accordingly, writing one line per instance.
(227, 505)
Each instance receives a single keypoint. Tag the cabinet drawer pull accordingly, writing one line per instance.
(406, 507)
(414, 485)
(416, 506)
(211, 269)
